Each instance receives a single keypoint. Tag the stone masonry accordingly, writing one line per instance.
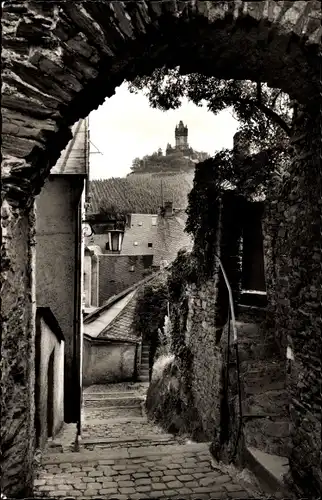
(60, 60)
(123, 455)
(293, 250)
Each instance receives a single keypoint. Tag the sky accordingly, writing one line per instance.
(125, 127)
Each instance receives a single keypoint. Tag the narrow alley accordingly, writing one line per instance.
(122, 455)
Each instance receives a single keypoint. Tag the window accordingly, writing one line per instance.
(132, 269)
(140, 224)
(135, 243)
(154, 221)
(150, 245)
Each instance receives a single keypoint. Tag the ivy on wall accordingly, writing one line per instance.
(151, 308)
(249, 176)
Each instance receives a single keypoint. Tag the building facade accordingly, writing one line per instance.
(59, 255)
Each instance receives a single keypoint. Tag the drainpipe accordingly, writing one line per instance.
(77, 321)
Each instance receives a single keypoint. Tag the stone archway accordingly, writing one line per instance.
(61, 60)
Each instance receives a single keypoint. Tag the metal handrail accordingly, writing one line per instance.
(230, 296)
(235, 343)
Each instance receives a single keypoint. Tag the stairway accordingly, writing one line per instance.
(144, 368)
(114, 417)
(266, 427)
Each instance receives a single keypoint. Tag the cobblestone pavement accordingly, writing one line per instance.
(128, 457)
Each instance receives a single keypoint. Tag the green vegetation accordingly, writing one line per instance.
(151, 308)
(264, 114)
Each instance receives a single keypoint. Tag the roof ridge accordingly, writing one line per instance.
(112, 300)
(71, 145)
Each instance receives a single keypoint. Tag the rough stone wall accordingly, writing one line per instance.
(17, 351)
(293, 247)
(206, 355)
(60, 61)
(115, 273)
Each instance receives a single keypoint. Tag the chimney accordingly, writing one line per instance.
(168, 209)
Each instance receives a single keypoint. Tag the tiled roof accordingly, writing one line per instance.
(171, 237)
(95, 328)
(74, 158)
(120, 328)
(104, 323)
(141, 232)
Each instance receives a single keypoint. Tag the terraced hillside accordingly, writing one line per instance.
(139, 193)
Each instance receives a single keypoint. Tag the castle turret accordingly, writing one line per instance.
(181, 135)
(168, 149)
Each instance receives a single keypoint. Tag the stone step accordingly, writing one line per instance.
(261, 370)
(269, 470)
(253, 299)
(262, 380)
(251, 351)
(260, 386)
(109, 402)
(267, 435)
(126, 445)
(109, 394)
(111, 412)
(101, 422)
(120, 454)
(251, 314)
(268, 402)
(122, 387)
(147, 438)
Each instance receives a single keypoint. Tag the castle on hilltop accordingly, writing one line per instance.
(180, 158)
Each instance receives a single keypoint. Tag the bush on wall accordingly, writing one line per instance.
(151, 309)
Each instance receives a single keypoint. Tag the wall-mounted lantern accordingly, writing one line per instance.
(87, 230)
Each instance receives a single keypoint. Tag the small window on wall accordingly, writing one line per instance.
(150, 245)
(154, 221)
(132, 269)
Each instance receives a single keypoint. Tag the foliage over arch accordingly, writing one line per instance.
(264, 113)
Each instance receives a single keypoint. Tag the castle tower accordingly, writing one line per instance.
(181, 135)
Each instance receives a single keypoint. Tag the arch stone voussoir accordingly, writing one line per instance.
(62, 59)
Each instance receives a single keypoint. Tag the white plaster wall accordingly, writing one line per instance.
(108, 362)
(48, 343)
